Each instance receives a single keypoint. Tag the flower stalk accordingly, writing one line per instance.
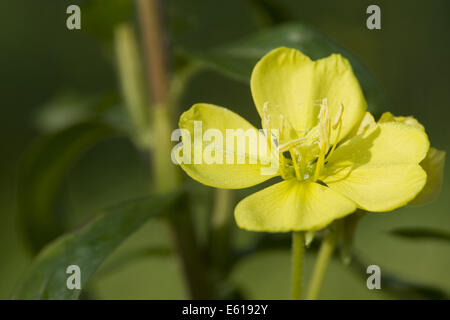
(298, 252)
(132, 82)
(221, 222)
(323, 259)
(152, 34)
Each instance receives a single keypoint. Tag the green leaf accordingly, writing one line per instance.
(136, 255)
(68, 108)
(238, 59)
(87, 248)
(42, 174)
(421, 234)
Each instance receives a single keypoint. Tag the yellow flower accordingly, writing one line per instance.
(331, 154)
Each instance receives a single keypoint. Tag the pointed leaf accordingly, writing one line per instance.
(238, 59)
(42, 173)
(421, 234)
(87, 248)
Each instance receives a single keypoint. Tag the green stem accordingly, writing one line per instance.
(323, 259)
(153, 36)
(132, 81)
(298, 251)
(221, 222)
(183, 232)
(166, 177)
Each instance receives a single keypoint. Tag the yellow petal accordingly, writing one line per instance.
(379, 188)
(292, 205)
(385, 143)
(379, 169)
(389, 117)
(213, 161)
(367, 122)
(433, 164)
(291, 80)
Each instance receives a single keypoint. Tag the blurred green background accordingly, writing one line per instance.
(40, 58)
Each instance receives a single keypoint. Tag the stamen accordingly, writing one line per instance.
(325, 131)
(290, 144)
(296, 168)
(264, 118)
(324, 123)
(308, 160)
(337, 121)
(265, 106)
(338, 117)
(320, 161)
(266, 123)
(281, 129)
(283, 164)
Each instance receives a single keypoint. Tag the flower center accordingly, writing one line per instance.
(302, 153)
